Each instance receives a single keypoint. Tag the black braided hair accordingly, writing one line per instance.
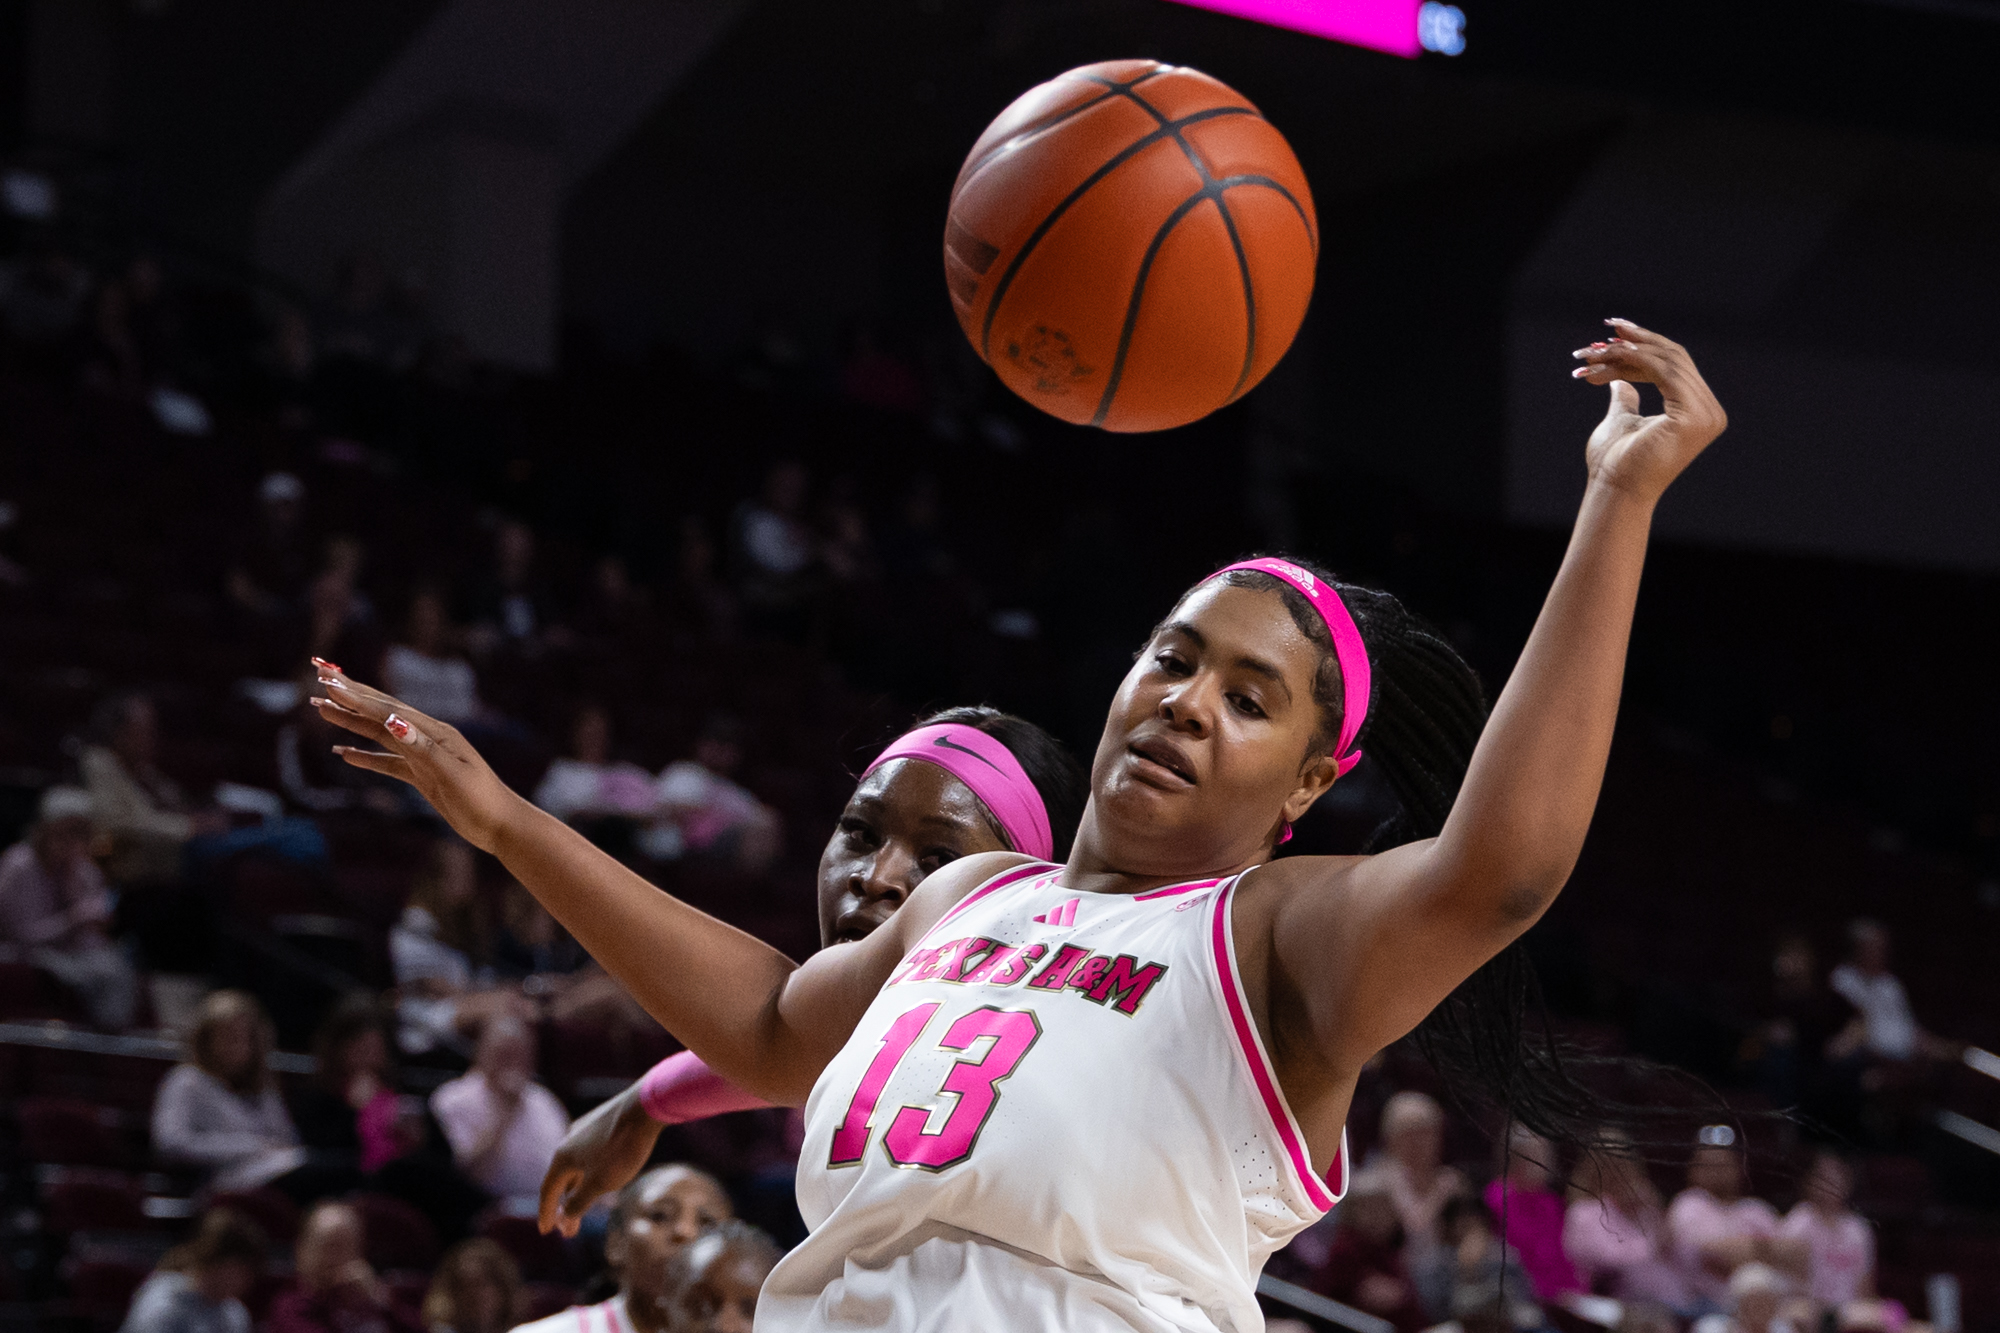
(1489, 1040)
(1062, 782)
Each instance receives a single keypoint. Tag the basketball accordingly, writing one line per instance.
(1131, 245)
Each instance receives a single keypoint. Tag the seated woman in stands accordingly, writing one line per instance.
(221, 1110)
(476, 1289)
(440, 952)
(199, 1286)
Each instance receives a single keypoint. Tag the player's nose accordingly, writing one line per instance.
(1189, 704)
(887, 876)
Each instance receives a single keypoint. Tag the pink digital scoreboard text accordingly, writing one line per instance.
(1379, 25)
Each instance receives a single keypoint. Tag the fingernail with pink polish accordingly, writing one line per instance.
(397, 727)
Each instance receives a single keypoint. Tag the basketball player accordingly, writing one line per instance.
(655, 1219)
(1096, 1097)
(930, 798)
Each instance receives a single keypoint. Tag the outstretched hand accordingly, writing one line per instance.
(1642, 455)
(428, 754)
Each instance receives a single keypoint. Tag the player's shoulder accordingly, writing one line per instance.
(946, 887)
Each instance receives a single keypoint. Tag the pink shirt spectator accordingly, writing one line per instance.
(1843, 1253)
(466, 1109)
(1623, 1253)
(1697, 1217)
(1534, 1222)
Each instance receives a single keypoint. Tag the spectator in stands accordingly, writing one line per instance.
(553, 970)
(710, 815)
(476, 1289)
(587, 785)
(425, 673)
(1884, 1027)
(221, 1110)
(440, 951)
(149, 821)
(271, 568)
(199, 1286)
(614, 612)
(503, 1126)
(1413, 1168)
(1713, 1228)
(336, 1290)
(1474, 1278)
(1364, 1264)
(340, 616)
(155, 833)
(699, 605)
(1787, 1050)
(1615, 1232)
(1839, 1243)
(712, 1284)
(348, 1109)
(652, 1221)
(1755, 1293)
(1526, 1197)
(314, 778)
(775, 551)
(512, 606)
(55, 907)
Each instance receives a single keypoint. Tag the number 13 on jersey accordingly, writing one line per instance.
(972, 1081)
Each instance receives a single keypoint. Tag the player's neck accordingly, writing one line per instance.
(1102, 862)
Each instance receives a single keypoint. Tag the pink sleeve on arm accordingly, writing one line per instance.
(681, 1088)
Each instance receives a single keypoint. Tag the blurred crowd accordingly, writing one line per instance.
(194, 863)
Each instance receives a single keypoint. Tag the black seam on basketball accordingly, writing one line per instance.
(1042, 228)
(1185, 207)
(1151, 110)
(1249, 297)
(1266, 182)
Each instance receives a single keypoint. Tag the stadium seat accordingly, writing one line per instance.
(85, 1199)
(101, 1287)
(543, 1299)
(273, 1212)
(62, 1131)
(398, 1235)
(542, 1258)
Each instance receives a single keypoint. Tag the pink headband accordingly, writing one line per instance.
(1348, 649)
(991, 771)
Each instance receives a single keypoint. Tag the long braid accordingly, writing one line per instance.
(1424, 720)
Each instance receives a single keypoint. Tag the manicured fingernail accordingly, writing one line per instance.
(322, 662)
(1617, 321)
(1580, 372)
(397, 727)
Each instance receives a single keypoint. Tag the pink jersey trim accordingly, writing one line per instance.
(1172, 890)
(991, 886)
(1261, 1073)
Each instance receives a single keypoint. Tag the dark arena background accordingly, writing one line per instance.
(589, 368)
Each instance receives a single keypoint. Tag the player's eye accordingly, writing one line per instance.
(1172, 664)
(1246, 705)
(936, 859)
(857, 831)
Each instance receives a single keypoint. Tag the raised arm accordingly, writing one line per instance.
(763, 1022)
(1370, 945)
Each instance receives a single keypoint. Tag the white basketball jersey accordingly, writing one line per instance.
(1056, 1115)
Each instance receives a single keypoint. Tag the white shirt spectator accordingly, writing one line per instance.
(198, 1120)
(444, 687)
(1842, 1253)
(573, 789)
(1889, 1026)
(467, 1109)
(172, 1303)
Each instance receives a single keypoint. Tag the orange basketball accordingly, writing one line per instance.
(1131, 245)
